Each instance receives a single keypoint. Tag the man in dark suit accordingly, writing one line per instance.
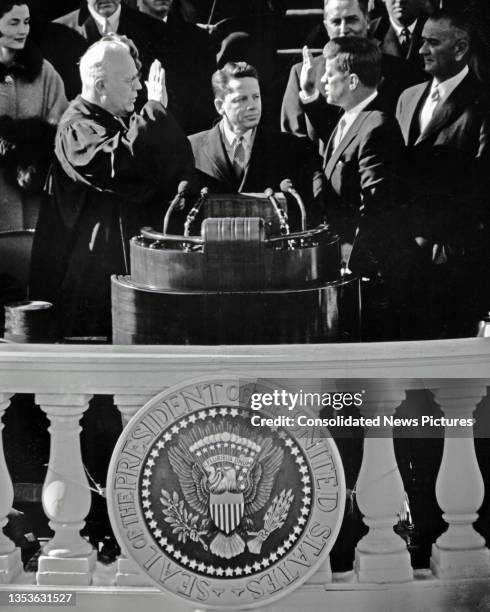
(153, 40)
(187, 49)
(361, 168)
(240, 154)
(362, 155)
(446, 127)
(342, 18)
(95, 18)
(400, 32)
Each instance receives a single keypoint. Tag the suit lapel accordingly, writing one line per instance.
(329, 148)
(416, 39)
(391, 42)
(83, 13)
(91, 31)
(125, 22)
(410, 121)
(391, 45)
(346, 140)
(217, 157)
(448, 109)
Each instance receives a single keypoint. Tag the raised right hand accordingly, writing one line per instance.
(307, 74)
(157, 90)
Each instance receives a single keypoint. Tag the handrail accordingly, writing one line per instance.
(31, 368)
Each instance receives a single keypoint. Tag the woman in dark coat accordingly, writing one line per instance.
(32, 99)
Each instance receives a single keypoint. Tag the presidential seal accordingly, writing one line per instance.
(215, 510)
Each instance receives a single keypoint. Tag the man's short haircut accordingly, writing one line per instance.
(231, 70)
(7, 5)
(461, 18)
(363, 5)
(356, 55)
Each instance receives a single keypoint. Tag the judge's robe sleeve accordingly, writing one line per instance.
(151, 156)
(133, 164)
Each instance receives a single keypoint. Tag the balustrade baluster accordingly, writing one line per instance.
(460, 551)
(67, 559)
(10, 560)
(381, 555)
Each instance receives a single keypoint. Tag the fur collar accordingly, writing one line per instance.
(27, 64)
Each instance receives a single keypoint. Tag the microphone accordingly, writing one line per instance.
(194, 210)
(286, 186)
(178, 202)
(281, 215)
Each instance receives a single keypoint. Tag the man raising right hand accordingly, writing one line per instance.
(116, 171)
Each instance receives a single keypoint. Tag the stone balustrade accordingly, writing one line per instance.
(64, 378)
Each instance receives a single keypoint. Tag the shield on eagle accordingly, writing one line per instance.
(226, 510)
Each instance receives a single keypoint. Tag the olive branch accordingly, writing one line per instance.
(183, 523)
(274, 518)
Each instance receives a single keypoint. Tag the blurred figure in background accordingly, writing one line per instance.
(32, 99)
(156, 8)
(400, 33)
(186, 50)
(61, 46)
(153, 39)
(95, 18)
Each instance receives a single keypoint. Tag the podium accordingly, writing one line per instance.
(243, 280)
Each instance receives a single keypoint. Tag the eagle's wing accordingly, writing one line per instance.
(262, 477)
(192, 478)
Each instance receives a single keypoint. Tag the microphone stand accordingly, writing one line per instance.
(281, 215)
(287, 187)
(173, 205)
(194, 210)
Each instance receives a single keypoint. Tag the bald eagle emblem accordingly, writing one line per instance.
(225, 477)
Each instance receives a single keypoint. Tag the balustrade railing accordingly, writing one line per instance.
(64, 378)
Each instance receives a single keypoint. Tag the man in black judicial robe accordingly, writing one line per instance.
(113, 170)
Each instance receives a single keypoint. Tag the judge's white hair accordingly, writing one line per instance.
(99, 58)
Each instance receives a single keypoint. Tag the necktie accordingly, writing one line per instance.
(339, 133)
(429, 107)
(238, 156)
(405, 39)
(107, 27)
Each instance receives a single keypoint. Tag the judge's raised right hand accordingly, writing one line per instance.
(157, 90)
(307, 74)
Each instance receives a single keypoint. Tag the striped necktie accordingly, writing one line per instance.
(405, 40)
(238, 153)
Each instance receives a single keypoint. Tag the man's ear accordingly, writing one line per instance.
(353, 81)
(218, 105)
(461, 49)
(99, 86)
